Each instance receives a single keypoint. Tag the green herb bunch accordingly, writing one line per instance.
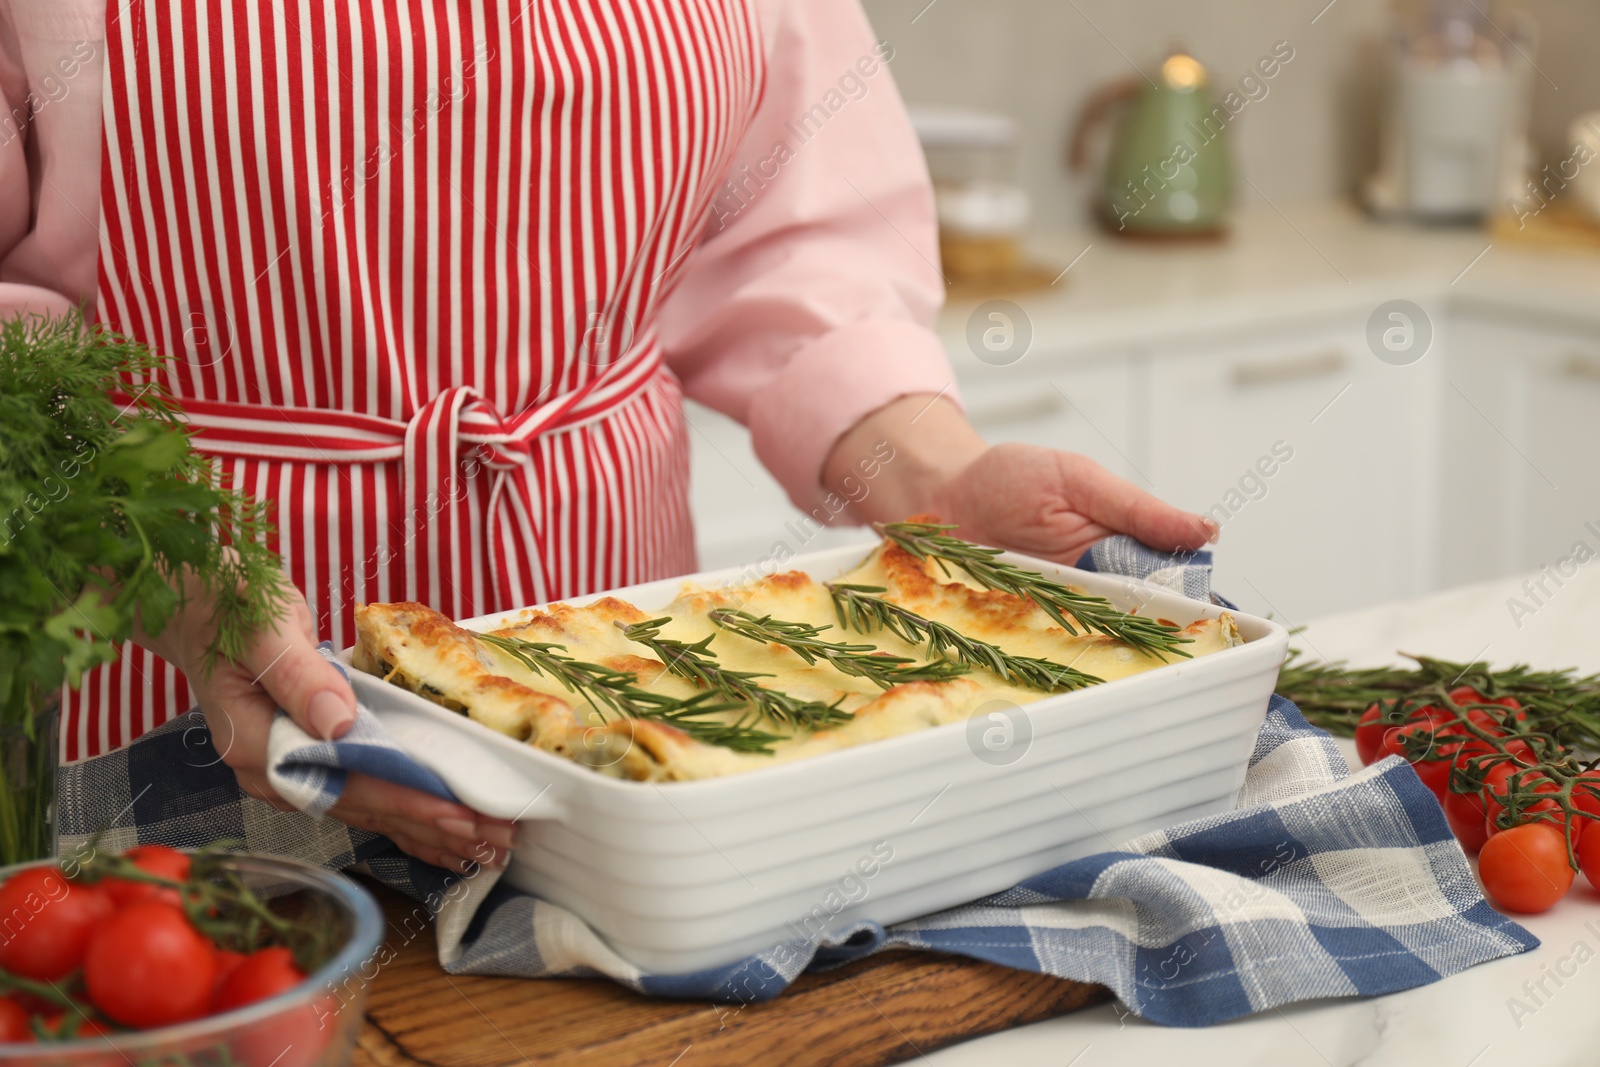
(107, 515)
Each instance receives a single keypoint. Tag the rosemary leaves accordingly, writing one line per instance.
(857, 660)
(1334, 695)
(1069, 608)
(697, 663)
(860, 608)
(620, 692)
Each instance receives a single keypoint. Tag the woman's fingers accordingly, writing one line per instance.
(287, 665)
(439, 857)
(238, 717)
(283, 669)
(389, 809)
(1120, 505)
(364, 793)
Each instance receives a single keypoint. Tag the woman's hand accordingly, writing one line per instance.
(1035, 500)
(283, 669)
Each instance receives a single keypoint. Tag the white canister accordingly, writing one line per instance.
(1585, 134)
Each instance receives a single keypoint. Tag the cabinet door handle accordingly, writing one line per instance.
(1582, 365)
(1020, 410)
(1293, 369)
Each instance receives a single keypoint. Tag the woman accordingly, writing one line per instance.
(433, 275)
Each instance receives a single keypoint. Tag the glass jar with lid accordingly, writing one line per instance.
(983, 208)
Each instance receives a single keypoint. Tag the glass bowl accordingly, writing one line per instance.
(314, 1024)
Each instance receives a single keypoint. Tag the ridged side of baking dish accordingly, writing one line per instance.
(680, 876)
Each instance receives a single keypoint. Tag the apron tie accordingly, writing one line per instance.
(455, 445)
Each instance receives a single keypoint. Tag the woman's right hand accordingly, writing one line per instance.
(283, 668)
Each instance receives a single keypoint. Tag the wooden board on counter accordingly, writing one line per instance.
(884, 1009)
(1563, 224)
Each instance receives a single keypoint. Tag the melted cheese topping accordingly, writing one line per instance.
(419, 649)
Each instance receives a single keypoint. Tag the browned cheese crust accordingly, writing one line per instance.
(422, 651)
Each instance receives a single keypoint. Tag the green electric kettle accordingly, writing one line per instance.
(1169, 171)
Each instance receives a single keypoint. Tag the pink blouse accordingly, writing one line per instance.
(806, 305)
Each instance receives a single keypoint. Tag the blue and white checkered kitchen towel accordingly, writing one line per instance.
(1320, 883)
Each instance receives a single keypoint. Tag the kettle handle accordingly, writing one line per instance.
(1094, 112)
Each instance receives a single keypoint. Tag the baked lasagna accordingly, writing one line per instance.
(732, 679)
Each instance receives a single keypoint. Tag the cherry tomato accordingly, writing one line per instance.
(148, 967)
(1464, 812)
(158, 860)
(55, 1022)
(13, 1022)
(1589, 857)
(297, 1037)
(1455, 747)
(1465, 694)
(1435, 774)
(260, 975)
(1369, 735)
(1524, 869)
(48, 923)
(1518, 750)
(1393, 740)
(227, 963)
(1539, 784)
(1586, 792)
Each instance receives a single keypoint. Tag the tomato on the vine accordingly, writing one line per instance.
(147, 966)
(53, 919)
(1535, 811)
(159, 860)
(56, 1022)
(1589, 857)
(1435, 774)
(13, 1022)
(1586, 792)
(295, 1038)
(1466, 694)
(262, 974)
(227, 962)
(1468, 821)
(1520, 751)
(1392, 743)
(1524, 869)
(1369, 735)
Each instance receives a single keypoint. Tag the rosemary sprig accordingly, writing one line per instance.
(698, 664)
(620, 691)
(859, 608)
(1334, 695)
(857, 660)
(1556, 730)
(926, 540)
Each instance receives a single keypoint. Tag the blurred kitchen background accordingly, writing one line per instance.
(1359, 326)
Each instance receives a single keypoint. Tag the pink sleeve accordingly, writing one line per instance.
(51, 55)
(810, 300)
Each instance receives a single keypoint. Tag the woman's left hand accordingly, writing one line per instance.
(1035, 500)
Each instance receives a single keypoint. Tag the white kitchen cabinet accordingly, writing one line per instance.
(1087, 408)
(1481, 525)
(741, 515)
(1480, 460)
(1533, 430)
(1311, 453)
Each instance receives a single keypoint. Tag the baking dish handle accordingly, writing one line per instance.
(473, 768)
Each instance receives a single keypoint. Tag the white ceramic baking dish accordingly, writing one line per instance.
(682, 876)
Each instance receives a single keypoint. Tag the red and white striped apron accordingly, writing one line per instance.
(406, 256)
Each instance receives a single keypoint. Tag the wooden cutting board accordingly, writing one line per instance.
(886, 1008)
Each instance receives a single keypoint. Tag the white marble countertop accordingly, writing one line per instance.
(1282, 261)
(1467, 1020)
